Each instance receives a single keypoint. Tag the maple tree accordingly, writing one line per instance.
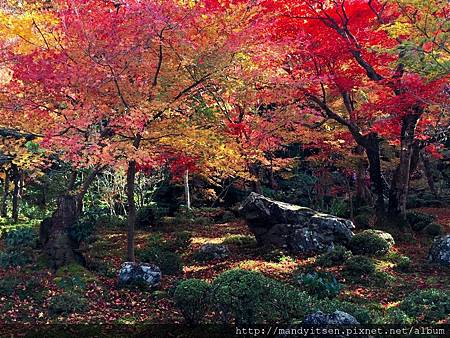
(114, 82)
(341, 62)
(218, 87)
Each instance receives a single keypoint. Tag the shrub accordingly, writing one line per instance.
(339, 208)
(287, 303)
(144, 217)
(370, 243)
(320, 284)
(395, 316)
(32, 287)
(429, 306)
(67, 303)
(358, 267)
(242, 295)
(192, 298)
(434, 229)
(84, 227)
(169, 262)
(336, 256)
(382, 279)
(181, 242)
(403, 264)
(8, 285)
(157, 240)
(71, 283)
(240, 240)
(21, 237)
(111, 221)
(363, 220)
(15, 257)
(419, 221)
(248, 297)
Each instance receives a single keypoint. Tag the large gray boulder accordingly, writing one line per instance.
(335, 318)
(440, 251)
(292, 227)
(134, 274)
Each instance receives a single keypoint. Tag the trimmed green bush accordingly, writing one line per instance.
(67, 303)
(169, 262)
(337, 256)
(369, 242)
(241, 295)
(358, 267)
(287, 304)
(192, 298)
(248, 297)
(319, 284)
(428, 306)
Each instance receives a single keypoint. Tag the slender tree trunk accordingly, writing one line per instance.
(4, 211)
(15, 197)
(372, 147)
(186, 190)
(427, 168)
(400, 184)
(131, 178)
(130, 189)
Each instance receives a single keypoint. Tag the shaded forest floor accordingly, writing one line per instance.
(28, 300)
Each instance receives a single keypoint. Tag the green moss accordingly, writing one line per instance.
(76, 270)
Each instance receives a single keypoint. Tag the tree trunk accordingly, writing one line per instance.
(4, 211)
(363, 194)
(428, 170)
(131, 178)
(54, 232)
(15, 197)
(372, 147)
(400, 184)
(186, 190)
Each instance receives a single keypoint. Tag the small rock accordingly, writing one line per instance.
(214, 251)
(139, 274)
(440, 251)
(335, 318)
